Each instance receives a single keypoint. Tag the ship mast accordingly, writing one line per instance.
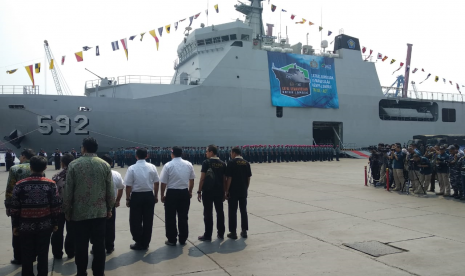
(253, 16)
(407, 70)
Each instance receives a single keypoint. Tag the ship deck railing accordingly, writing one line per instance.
(19, 89)
(423, 95)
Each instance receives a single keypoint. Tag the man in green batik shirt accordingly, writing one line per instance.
(88, 200)
(17, 173)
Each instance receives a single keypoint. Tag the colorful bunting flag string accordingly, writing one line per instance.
(30, 72)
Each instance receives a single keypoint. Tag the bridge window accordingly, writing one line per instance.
(84, 109)
(208, 41)
(245, 37)
(237, 44)
(233, 37)
(225, 38)
(448, 115)
(200, 42)
(216, 40)
(16, 106)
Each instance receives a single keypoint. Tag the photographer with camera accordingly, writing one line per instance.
(425, 173)
(373, 161)
(454, 171)
(442, 169)
(398, 158)
(383, 162)
(413, 169)
(431, 154)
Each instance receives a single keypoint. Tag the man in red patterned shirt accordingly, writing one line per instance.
(35, 207)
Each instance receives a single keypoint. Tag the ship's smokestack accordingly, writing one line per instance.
(407, 70)
(269, 31)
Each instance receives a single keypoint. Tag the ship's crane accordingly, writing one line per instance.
(415, 89)
(57, 76)
(400, 83)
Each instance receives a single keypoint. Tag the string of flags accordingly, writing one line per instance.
(293, 16)
(115, 46)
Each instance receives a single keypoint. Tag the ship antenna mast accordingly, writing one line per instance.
(55, 72)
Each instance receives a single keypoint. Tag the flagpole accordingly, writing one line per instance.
(280, 29)
(321, 33)
(207, 11)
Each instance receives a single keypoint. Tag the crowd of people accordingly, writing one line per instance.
(82, 198)
(252, 153)
(419, 168)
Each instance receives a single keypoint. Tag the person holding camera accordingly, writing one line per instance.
(431, 154)
(413, 169)
(398, 158)
(425, 173)
(442, 168)
(454, 171)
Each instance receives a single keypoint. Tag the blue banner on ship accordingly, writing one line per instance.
(302, 80)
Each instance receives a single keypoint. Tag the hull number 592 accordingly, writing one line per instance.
(63, 124)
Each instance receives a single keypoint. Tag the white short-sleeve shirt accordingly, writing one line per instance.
(141, 176)
(117, 181)
(177, 173)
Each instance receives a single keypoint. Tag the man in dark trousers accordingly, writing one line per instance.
(34, 210)
(57, 158)
(142, 184)
(238, 175)
(211, 191)
(9, 160)
(87, 203)
(177, 178)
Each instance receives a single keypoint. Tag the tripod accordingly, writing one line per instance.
(418, 179)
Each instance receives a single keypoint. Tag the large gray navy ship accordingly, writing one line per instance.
(234, 84)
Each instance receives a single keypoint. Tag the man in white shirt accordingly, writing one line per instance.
(141, 182)
(110, 225)
(177, 177)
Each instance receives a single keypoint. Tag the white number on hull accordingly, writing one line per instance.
(64, 124)
(44, 128)
(79, 130)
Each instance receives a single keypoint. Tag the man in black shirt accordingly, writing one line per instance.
(211, 190)
(238, 175)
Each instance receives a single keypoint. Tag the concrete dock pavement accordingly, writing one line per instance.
(300, 216)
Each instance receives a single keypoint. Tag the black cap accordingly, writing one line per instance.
(451, 147)
(442, 148)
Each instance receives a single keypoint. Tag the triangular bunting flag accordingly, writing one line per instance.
(132, 37)
(309, 23)
(371, 52)
(79, 56)
(292, 17)
(273, 8)
(392, 61)
(380, 56)
(206, 12)
(97, 51)
(160, 31)
(152, 32)
(423, 70)
(414, 70)
(458, 88)
(216, 8)
(168, 28)
(182, 20)
(302, 22)
(30, 72)
(364, 50)
(197, 15)
(63, 60)
(51, 64)
(436, 79)
(329, 33)
(142, 36)
(444, 80)
(115, 45)
(320, 28)
(427, 77)
(14, 70)
(191, 18)
(450, 82)
(175, 26)
(85, 48)
(124, 42)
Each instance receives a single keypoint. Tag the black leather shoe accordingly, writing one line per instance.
(232, 236)
(203, 238)
(15, 262)
(221, 237)
(244, 234)
(136, 246)
(109, 251)
(70, 256)
(170, 243)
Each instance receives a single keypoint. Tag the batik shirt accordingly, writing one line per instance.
(89, 191)
(35, 205)
(17, 173)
